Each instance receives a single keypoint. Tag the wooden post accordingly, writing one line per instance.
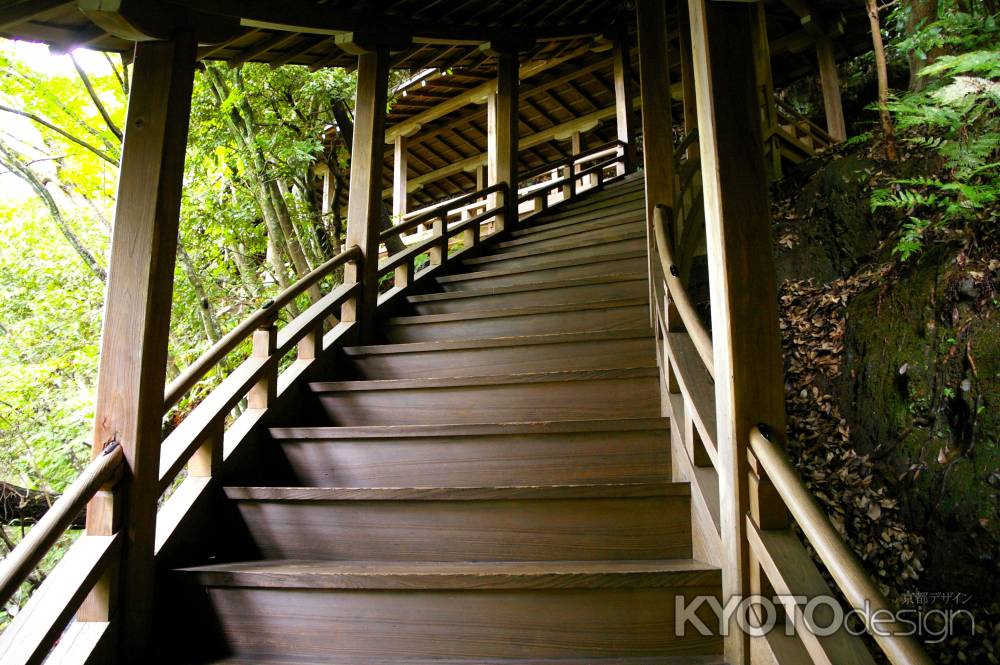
(576, 147)
(657, 117)
(746, 341)
(623, 100)
(399, 178)
(830, 82)
(687, 75)
(132, 368)
(503, 130)
(765, 86)
(364, 205)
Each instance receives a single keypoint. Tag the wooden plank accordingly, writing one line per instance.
(749, 384)
(791, 572)
(133, 357)
(697, 386)
(28, 638)
(364, 207)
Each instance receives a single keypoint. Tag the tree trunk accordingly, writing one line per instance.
(921, 12)
(882, 72)
(208, 321)
(17, 166)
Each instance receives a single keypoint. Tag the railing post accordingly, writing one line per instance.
(364, 207)
(439, 252)
(264, 345)
(104, 514)
(765, 84)
(399, 176)
(132, 372)
(403, 275)
(746, 341)
(830, 82)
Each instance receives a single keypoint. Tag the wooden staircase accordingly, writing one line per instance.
(489, 485)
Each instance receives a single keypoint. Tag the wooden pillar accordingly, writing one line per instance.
(687, 74)
(623, 100)
(132, 367)
(364, 205)
(399, 178)
(765, 87)
(746, 341)
(657, 117)
(830, 81)
(503, 131)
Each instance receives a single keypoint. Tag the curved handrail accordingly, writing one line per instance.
(850, 577)
(692, 322)
(17, 566)
(267, 313)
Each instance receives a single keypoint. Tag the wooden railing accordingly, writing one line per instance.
(798, 136)
(93, 556)
(779, 559)
(206, 436)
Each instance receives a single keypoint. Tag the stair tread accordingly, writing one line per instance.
(312, 574)
(492, 493)
(265, 659)
(563, 245)
(475, 430)
(460, 381)
(607, 278)
(517, 311)
(540, 267)
(497, 342)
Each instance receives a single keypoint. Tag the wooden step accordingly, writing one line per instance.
(485, 612)
(555, 221)
(551, 271)
(578, 229)
(565, 452)
(572, 395)
(514, 355)
(596, 316)
(264, 659)
(519, 523)
(629, 242)
(561, 292)
(591, 237)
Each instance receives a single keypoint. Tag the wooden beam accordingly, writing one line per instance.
(502, 137)
(556, 133)
(623, 100)
(15, 13)
(749, 383)
(364, 206)
(830, 82)
(687, 74)
(399, 176)
(475, 95)
(132, 367)
(765, 89)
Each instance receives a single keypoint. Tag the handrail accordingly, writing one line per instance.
(196, 370)
(17, 565)
(814, 129)
(439, 210)
(685, 143)
(850, 577)
(678, 294)
(572, 159)
(561, 182)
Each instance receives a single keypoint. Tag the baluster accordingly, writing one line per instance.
(265, 342)
(104, 512)
(439, 252)
(403, 275)
(349, 310)
(310, 346)
(207, 459)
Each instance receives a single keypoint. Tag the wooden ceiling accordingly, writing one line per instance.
(565, 64)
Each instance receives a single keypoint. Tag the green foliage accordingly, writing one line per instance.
(955, 121)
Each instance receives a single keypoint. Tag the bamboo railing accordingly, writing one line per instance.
(780, 559)
(78, 592)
